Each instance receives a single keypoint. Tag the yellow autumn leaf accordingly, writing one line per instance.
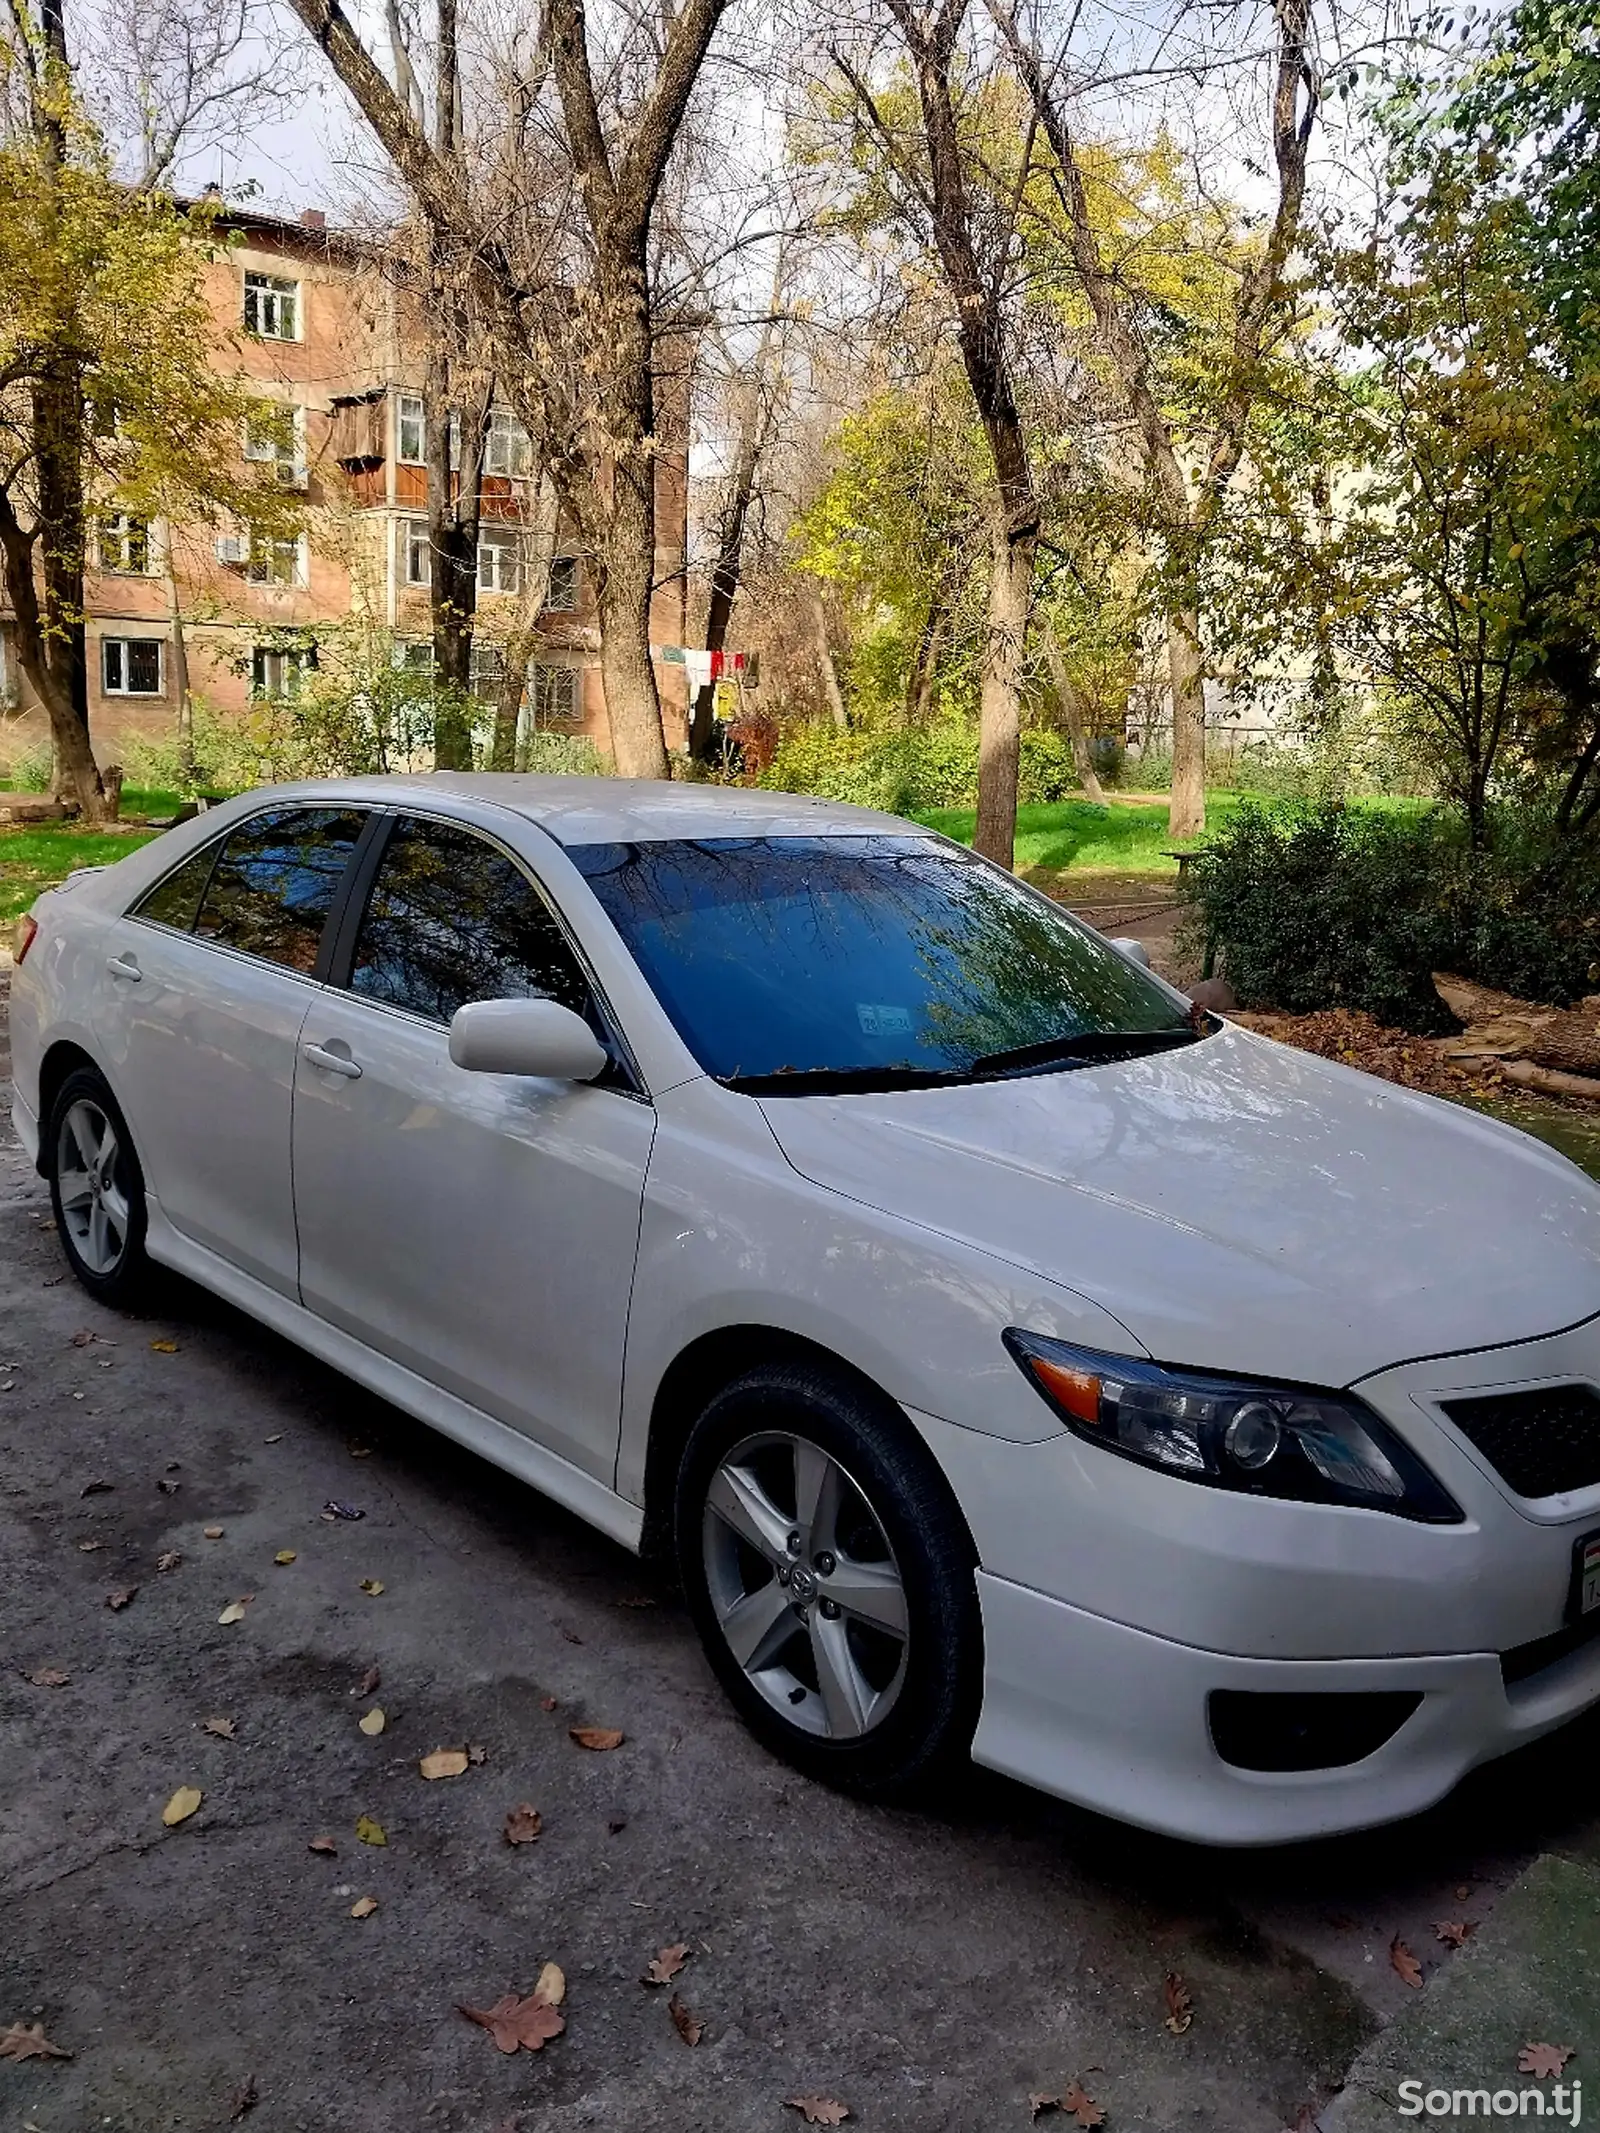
(363, 1907)
(372, 1723)
(284, 1557)
(182, 1805)
(165, 1347)
(552, 1985)
(444, 1763)
(370, 1832)
(372, 1587)
(233, 1612)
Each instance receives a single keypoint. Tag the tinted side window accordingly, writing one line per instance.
(274, 883)
(451, 919)
(175, 901)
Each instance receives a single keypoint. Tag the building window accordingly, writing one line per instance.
(499, 561)
(561, 597)
(416, 553)
(125, 545)
(130, 666)
(488, 667)
(506, 449)
(271, 307)
(416, 657)
(275, 563)
(275, 437)
(554, 694)
(278, 673)
(413, 430)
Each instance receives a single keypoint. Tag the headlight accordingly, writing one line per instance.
(1244, 1434)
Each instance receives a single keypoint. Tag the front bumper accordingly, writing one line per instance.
(1115, 1719)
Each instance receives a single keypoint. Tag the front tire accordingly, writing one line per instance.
(97, 1191)
(830, 1576)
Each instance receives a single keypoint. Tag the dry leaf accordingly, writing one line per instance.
(372, 1587)
(284, 1557)
(221, 1727)
(245, 2098)
(116, 1601)
(169, 1561)
(363, 1907)
(551, 1984)
(530, 2023)
(359, 1451)
(1405, 1963)
(165, 1347)
(182, 1805)
(548, 1703)
(1081, 2107)
(1543, 2061)
(1180, 2008)
(82, 1337)
(369, 1681)
(372, 1723)
(571, 1636)
(596, 1737)
(477, 1754)
(444, 1763)
(168, 1488)
(663, 1968)
(213, 1533)
(335, 1511)
(30, 2042)
(275, 1438)
(370, 1832)
(1455, 1932)
(819, 2110)
(49, 1677)
(325, 1845)
(688, 2027)
(90, 1547)
(97, 1488)
(235, 1609)
(523, 1825)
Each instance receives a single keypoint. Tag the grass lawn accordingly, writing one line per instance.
(38, 853)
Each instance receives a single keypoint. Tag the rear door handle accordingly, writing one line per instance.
(332, 1062)
(124, 966)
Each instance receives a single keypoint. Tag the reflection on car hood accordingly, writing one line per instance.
(1236, 1204)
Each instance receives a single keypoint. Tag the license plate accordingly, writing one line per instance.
(1586, 1575)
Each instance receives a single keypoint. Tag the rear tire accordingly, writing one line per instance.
(830, 1576)
(97, 1191)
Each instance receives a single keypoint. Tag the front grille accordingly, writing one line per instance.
(1543, 1443)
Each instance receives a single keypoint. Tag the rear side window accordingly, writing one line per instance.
(452, 919)
(274, 883)
(175, 901)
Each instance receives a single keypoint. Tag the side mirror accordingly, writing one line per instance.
(1135, 951)
(525, 1037)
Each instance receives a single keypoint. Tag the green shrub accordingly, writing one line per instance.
(911, 767)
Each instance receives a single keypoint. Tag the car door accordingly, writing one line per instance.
(480, 1229)
(205, 985)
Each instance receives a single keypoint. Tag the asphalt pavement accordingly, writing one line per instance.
(929, 1968)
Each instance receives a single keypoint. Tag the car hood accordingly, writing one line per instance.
(1236, 1204)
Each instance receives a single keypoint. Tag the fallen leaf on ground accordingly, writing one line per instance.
(1455, 1932)
(548, 1703)
(1406, 1965)
(372, 1587)
(235, 1609)
(523, 1824)
(616, 1824)
(168, 1488)
(221, 1727)
(477, 1753)
(212, 1533)
(359, 1451)
(370, 1832)
(596, 1737)
(275, 1438)
(325, 1845)
(1180, 2007)
(1463, 1893)
(29, 2042)
(89, 1547)
(688, 2027)
(1543, 2061)
(284, 1557)
(818, 2110)
(82, 1337)
(1081, 2107)
(341, 1510)
(572, 1636)
(444, 1763)
(530, 2023)
(182, 1805)
(664, 1967)
(165, 1347)
(363, 1907)
(551, 1984)
(97, 1488)
(369, 1681)
(49, 1677)
(372, 1723)
(116, 1601)
(245, 2098)
(169, 1561)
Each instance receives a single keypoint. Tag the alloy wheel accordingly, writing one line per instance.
(89, 1180)
(804, 1585)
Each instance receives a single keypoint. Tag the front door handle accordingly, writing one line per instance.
(332, 1062)
(124, 966)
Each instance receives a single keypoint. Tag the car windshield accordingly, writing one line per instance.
(793, 964)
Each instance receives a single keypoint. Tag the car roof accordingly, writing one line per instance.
(602, 810)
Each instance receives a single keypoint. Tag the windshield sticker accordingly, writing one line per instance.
(879, 1021)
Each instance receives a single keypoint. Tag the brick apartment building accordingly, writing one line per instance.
(304, 313)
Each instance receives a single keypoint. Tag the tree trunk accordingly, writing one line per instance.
(453, 506)
(1186, 673)
(633, 705)
(1070, 698)
(58, 458)
(830, 673)
(999, 714)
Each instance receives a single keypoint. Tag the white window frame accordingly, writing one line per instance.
(414, 655)
(122, 645)
(286, 455)
(507, 448)
(488, 665)
(410, 409)
(570, 568)
(278, 672)
(117, 529)
(499, 559)
(546, 681)
(415, 542)
(265, 556)
(274, 296)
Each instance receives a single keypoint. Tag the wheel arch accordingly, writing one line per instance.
(61, 1058)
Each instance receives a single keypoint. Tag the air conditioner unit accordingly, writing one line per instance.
(233, 548)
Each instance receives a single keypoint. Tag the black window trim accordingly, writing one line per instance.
(318, 973)
(350, 909)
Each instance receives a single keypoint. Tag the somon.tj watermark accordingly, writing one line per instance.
(1563, 2100)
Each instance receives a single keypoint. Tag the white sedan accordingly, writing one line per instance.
(1013, 1359)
